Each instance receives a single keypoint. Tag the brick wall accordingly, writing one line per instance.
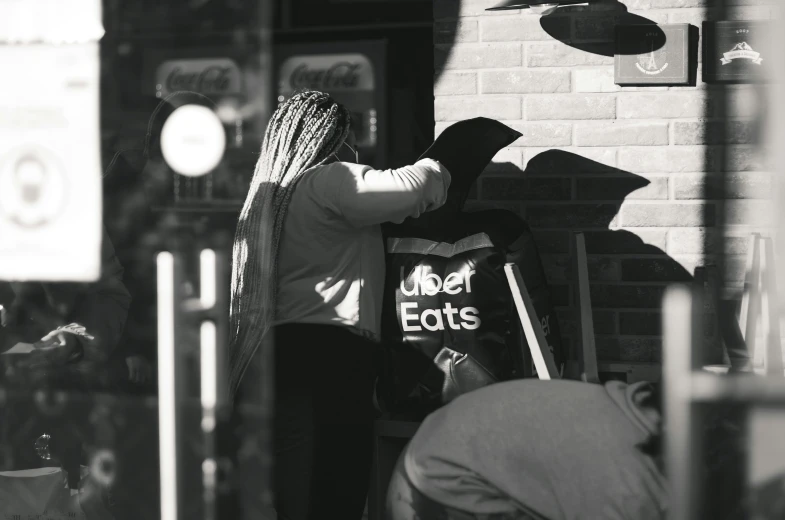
(555, 85)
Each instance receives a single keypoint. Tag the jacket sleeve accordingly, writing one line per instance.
(367, 196)
(101, 307)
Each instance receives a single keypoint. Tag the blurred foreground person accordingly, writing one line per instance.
(70, 330)
(74, 327)
(531, 449)
(309, 264)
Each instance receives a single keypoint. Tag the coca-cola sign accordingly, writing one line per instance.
(217, 76)
(326, 72)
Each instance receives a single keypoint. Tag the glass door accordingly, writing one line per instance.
(131, 137)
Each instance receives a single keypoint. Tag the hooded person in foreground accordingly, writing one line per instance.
(562, 449)
(539, 450)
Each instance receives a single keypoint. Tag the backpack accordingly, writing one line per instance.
(448, 320)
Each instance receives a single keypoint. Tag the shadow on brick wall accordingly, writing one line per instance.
(592, 28)
(560, 193)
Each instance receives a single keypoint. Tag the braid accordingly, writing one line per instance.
(302, 133)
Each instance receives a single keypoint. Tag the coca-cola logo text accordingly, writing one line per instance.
(341, 75)
(214, 79)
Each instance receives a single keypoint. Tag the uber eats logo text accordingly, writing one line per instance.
(431, 284)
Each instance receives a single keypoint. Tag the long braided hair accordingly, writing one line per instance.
(303, 132)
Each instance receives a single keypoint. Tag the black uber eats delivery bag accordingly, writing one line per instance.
(449, 322)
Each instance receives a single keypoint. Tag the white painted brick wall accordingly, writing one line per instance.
(456, 83)
(525, 81)
(622, 133)
(457, 108)
(482, 56)
(553, 81)
(570, 107)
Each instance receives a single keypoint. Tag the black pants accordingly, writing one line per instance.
(323, 421)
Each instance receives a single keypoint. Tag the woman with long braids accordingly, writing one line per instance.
(308, 267)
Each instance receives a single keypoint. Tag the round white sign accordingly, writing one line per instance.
(193, 140)
(32, 188)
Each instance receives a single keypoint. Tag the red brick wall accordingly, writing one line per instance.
(556, 87)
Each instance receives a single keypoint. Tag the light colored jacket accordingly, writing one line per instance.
(331, 255)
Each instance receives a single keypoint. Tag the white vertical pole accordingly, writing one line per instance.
(772, 350)
(167, 409)
(588, 360)
(208, 343)
(750, 300)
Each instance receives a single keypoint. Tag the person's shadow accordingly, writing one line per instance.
(561, 193)
(629, 270)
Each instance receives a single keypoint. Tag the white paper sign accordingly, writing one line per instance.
(50, 21)
(19, 348)
(50, 170)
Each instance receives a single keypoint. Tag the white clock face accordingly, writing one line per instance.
(193, 140)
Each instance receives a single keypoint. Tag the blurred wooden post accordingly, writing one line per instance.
(750, 300)
(681, 455)
(771, 353)
(685, 388)
(588, 351)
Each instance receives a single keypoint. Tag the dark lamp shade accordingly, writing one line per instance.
(538, 5)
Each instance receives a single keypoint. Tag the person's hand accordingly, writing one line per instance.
(139, 369)
(58, 338)
(56, 349)
(67, 343)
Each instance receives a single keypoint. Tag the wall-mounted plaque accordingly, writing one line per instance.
(652, 54)
(736, 51)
